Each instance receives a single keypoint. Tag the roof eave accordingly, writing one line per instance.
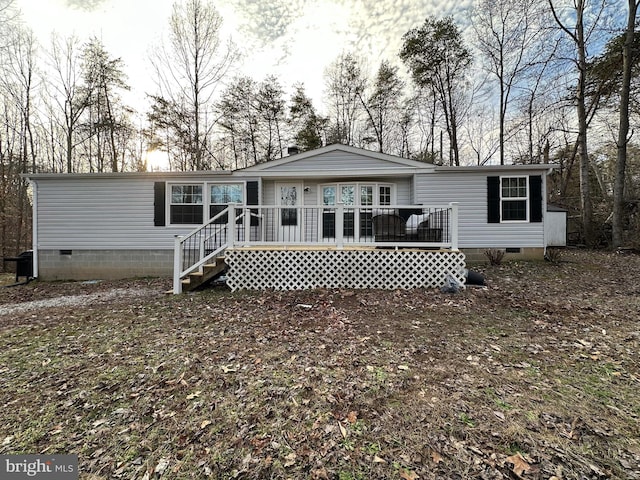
(121, 175)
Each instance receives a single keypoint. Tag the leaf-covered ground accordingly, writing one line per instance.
(536, 376)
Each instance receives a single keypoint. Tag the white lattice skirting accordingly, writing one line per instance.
(251, 269)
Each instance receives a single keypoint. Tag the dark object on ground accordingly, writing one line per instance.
(474, 278)
(24, 266)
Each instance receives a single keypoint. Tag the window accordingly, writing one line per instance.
(350, 195)
(513, 199)
(366, 195)
(186, 204)
(221, 195)
(384, 195)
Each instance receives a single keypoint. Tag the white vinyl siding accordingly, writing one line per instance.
(469, 189)
(337, 161)
(109, 213)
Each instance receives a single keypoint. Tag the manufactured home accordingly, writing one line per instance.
(334, 217)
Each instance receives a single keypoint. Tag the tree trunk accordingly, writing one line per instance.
(503, 109)
(585, 193)
(623, 132)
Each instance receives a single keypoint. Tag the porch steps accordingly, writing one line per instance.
(208, 273)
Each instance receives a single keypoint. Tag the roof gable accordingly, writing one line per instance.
(338, 159)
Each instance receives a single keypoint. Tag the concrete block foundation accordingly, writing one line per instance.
(103, 264)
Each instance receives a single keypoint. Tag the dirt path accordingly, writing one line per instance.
(74, 300)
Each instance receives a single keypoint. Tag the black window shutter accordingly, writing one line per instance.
(159, 201)
(535, 198)
(493, 199)
(252, 193)
(253, 199)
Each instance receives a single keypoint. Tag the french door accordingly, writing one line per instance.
(289, 219)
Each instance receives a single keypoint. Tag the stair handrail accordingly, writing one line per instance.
(179, 241)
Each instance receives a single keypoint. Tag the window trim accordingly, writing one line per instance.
(526, 198)
(376, 193)
(240, 183)
(210, 203)
(206, 199)
(357, 226)
(170, 203)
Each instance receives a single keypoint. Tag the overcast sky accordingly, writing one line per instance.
(292, 39)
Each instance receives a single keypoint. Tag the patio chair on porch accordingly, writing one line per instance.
(389, 228)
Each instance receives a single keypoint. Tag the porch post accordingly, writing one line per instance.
(247, 225)
(340, 225)
(454, 225)
(177, 264)
(231, 224)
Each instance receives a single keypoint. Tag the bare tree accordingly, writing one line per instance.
(8, 20)
(481, 134)
(104, 78)
(623, 131)
(345, 83)
(67, 91)
(189, 66)
(437, 57)
(240, 120)
(580, 34)
(506, 32)
(383, 105)
(271, 105)
(17, 141)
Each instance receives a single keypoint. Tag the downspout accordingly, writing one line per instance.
(34, 231)
(544, 212)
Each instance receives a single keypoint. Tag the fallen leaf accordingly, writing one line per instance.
(377, 459)
(193, 395)
(343, 430)
(408, 474)
(205, 424)
(180, 379)
(97, 423)
(319, 474)
(403, 367)
(162, 465)
(436, 457)
(352, 417)
(520, 466)
(228, 369)
(290, 459)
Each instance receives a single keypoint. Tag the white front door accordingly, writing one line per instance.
(289, 219)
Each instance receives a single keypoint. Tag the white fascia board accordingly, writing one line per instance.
(508, 169)
(125, 175)
(392, 159)
(369, 172)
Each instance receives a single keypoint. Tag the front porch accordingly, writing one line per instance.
(390, 247)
